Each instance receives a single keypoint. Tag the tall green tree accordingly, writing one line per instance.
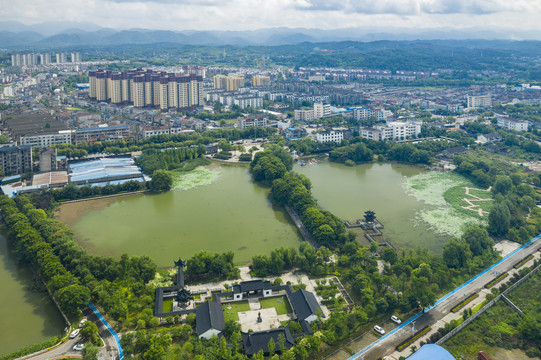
(499, 219)
(162, 180)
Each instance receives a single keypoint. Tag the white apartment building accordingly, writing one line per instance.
(243, 123)
(321, 110)
(479, 101)
(512, 124)
(164, 130)
(365, 113)
(46, 140)
(252, 101)
(395, 130)
(304, 115)
(330, 136)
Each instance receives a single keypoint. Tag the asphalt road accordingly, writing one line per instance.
(109, 351)
(386, 345)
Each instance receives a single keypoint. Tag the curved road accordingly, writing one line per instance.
(386, 345)
(108, 352)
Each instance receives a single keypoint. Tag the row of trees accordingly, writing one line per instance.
(162, 142)
(32, 249)
(152, 160)
(205, 265)
(119, 286)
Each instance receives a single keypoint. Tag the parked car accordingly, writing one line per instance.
(396, 320)
(79, 347)
(379, 330)
(74, 334)
(82, 323)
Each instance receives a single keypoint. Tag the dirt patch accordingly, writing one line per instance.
(515, 354)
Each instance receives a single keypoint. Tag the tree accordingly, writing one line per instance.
(502, 185)
(89, 333)
(478, 240)
(499, 220)
(162, 180)
(90, 352)
(271, 346)
(72, 297)
(390, 255)
(456, 253)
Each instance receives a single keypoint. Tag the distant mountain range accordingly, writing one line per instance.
(17, 36)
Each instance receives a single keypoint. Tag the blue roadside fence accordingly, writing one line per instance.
(102, 319)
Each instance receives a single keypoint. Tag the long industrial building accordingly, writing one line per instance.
(147, 88)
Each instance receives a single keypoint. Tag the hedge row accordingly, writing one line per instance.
(465, 302)
(404, 344)
(523, 261)
(497, 280)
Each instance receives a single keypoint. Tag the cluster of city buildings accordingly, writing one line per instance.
(337, 74)
(147, 88)
(30, 59)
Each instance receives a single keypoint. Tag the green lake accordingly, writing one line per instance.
(27, 316)
(348, 192)
(217, 208)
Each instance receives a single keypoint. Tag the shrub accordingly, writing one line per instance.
(464, 302)
(404, 344)
(523, 261)
(497, 280)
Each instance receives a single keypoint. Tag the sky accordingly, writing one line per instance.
(519, 15)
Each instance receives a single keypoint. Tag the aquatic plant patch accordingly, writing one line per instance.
(198, 177)
(446, 216)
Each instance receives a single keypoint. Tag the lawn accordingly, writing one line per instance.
(168, 305)
(235, 308)
(281, 304)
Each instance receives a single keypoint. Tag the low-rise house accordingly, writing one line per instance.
(488, 138)
(210, 319)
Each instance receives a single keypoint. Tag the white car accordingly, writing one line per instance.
(79, 347)
(379, 330)
(82, 323)
(74, 334)
(396, 320)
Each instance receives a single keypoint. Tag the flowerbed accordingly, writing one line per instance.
(464, 303)
(495, 281)
(523, 261)
(404, 344)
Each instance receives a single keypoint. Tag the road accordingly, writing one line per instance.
(109, 351)
(386, 345)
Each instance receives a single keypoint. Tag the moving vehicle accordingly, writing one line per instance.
(82, 323)
(79, 347)
(74, 333)
(396, 320)
(379, 330)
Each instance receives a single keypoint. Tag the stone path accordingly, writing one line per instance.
(470, 202)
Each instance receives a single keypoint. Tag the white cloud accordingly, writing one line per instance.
(254, 14)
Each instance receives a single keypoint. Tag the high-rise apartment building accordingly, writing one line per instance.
(30, 59)
(147, 88)
(61, 58)
(75, 57)
(260, 80)
(230, 83)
